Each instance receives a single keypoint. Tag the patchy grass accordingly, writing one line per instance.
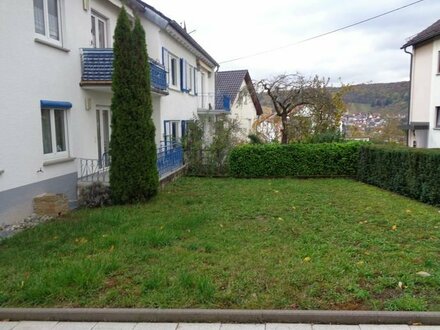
(228, 243)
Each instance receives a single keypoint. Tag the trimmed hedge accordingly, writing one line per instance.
(295, 160)
(414, 173)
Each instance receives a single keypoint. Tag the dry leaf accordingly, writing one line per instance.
(307, 259)
(423, 274)
(394, 228)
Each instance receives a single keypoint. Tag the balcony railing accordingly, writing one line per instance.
(211, 101)
(169, 159)
(97, 69)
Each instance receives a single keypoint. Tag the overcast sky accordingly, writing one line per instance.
(366, 53)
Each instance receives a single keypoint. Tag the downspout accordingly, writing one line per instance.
(409, 93)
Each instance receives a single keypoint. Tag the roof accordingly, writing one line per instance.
(427, 34)
(228, 83)
(176, 26)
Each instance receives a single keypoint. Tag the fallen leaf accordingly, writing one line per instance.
(360, 263)
(112, 248)
(401, 286)
(276, 191)
(307, 259)
(394, 228)
(423, 274)
(279, 218)
(408, 211)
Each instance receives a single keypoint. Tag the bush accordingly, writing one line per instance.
(410, 172)
(94, 195)
(295, 160)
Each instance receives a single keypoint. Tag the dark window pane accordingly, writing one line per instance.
(60, 131)
(173, 71)
(438, 117)
(47, 131)
(39, 16)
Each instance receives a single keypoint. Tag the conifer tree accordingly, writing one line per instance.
(133, 172)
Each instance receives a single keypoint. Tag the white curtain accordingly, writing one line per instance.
(39, 16)
(54, 31)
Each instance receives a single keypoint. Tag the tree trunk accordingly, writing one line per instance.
(284, 129)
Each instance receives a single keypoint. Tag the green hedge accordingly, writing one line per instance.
(410, 172)
(295, 160)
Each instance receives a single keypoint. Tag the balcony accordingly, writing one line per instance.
(169, 160)
(97, 70)
(212, 103)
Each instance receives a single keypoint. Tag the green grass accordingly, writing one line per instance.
(228, 243)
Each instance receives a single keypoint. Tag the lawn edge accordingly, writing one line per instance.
(217, 315)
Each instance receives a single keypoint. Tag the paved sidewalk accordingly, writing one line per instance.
(31, 325)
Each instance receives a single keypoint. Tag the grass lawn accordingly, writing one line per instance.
(228, 243)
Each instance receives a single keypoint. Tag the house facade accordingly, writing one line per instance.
(56, 71)
(424, 111)
(236, 89)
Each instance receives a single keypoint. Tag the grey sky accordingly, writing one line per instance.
(366, 53)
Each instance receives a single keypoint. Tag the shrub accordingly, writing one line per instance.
(95, 195)
(295, 160)
(410, 172)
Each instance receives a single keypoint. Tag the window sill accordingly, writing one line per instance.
(436, 128)
(58, 161)
(48, 43)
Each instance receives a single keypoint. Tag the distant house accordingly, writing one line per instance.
(423, 125)
(228, 85)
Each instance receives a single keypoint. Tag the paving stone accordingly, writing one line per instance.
(198, 326)
(384, 327)
(226, 326)
(7, 325)
(156, 326)
(35, 325)
(75, 326)
(424, 327)
(288, 326)
(334, 327)
(114, 326)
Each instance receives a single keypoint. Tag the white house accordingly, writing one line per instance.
(55, 87)
(424, 111)
(229, 85)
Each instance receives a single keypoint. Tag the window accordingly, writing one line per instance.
(171, 65)
(437, 118)
(99, 30)
(438, 63)
(47, 19)
(171, 132)
(190, 78)
(54, 131)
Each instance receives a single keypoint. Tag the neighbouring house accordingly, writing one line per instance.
(56, 94)
(423, 125)
(245, 109)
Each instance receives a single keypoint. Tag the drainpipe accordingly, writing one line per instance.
(409, 92)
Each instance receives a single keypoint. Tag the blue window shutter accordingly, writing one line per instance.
(182, 86)
(183, 123)
(45, 104)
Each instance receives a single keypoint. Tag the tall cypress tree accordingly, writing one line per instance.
(133, 172)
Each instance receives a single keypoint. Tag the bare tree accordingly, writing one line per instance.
(294, 95)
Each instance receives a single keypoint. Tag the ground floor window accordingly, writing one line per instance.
(171, 131)
(54, 130)
(437, 118)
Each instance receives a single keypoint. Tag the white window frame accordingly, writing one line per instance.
(56, 154)
(190, 79)
(46, 36)
(168, 131)
(98, 18)
(167, 60)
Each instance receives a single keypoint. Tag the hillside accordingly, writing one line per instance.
(383, 98)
